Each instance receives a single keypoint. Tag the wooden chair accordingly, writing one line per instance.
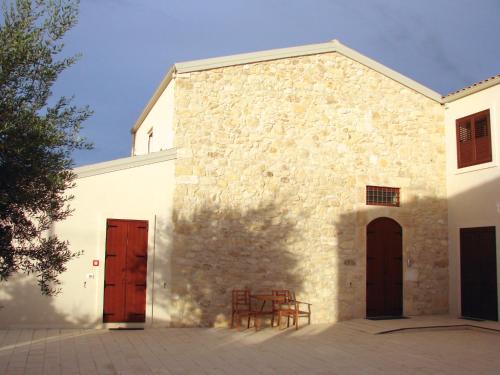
(277, 303)
(242, 307)
(295, 309)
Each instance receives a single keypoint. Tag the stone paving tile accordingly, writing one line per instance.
(343, 348)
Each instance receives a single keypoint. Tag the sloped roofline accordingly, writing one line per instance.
(471, 89)
(281, 53)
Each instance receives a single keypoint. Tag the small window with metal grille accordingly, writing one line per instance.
(382, 196)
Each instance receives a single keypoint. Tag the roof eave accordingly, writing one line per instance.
(125, 163)
(311, 49)
(156, 95)
(388, 72)
(471, 90)
(282, 53)
(254, 57)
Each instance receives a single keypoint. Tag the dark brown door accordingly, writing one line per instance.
(478, 270)
(384, 268)
(125, 275)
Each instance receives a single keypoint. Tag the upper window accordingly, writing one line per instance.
(150, 140)
(474, 139)
(382, 196)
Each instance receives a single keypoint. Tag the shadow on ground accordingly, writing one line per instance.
(21, 301)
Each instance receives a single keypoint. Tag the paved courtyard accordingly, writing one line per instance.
(446, 346)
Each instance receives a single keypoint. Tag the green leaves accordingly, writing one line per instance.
(36, 139)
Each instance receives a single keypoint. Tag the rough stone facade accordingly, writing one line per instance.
(274, 159)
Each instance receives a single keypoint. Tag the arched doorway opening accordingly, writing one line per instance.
(384, 268)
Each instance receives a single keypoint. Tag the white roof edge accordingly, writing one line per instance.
(388, 72)
(156, 95)
(253, 57)
(125, 163)
(311, 49)
(472, 90)
(282, 53)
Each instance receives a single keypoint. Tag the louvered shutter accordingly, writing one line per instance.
(474, 139)
(482, 137)
(465, 143)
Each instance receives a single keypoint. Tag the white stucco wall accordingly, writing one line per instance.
(159, 120)
(140, 193)
(473, 192)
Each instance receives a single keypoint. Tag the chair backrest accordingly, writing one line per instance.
(241, 298)
(285, 293)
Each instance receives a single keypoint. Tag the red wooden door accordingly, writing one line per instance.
(478, 270)
(125, 275)
(384, 268)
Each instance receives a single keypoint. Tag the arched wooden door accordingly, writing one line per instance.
(384, 268)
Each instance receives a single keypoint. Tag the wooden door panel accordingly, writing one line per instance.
(470, 277)
(125, 271)
(384, 276)
(394, 274)
(114, 279)
(137, 271)
(375, 275)
(489, 302)
(136, 303)
(478, 273)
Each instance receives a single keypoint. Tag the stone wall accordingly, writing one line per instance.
(274, 159)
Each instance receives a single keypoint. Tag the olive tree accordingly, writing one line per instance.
(38, 134)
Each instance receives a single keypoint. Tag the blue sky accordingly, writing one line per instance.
(128, 45)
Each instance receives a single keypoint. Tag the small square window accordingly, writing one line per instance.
(382, 196)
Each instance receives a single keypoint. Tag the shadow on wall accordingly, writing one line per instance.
(216, 250)
(23, 305)
(424, 262)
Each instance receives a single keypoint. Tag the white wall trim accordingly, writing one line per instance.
(125, 163)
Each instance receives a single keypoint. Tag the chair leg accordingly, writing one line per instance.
(257, 322)
(248, 322)
(296, 319)
(272, 320)
(279, 319)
